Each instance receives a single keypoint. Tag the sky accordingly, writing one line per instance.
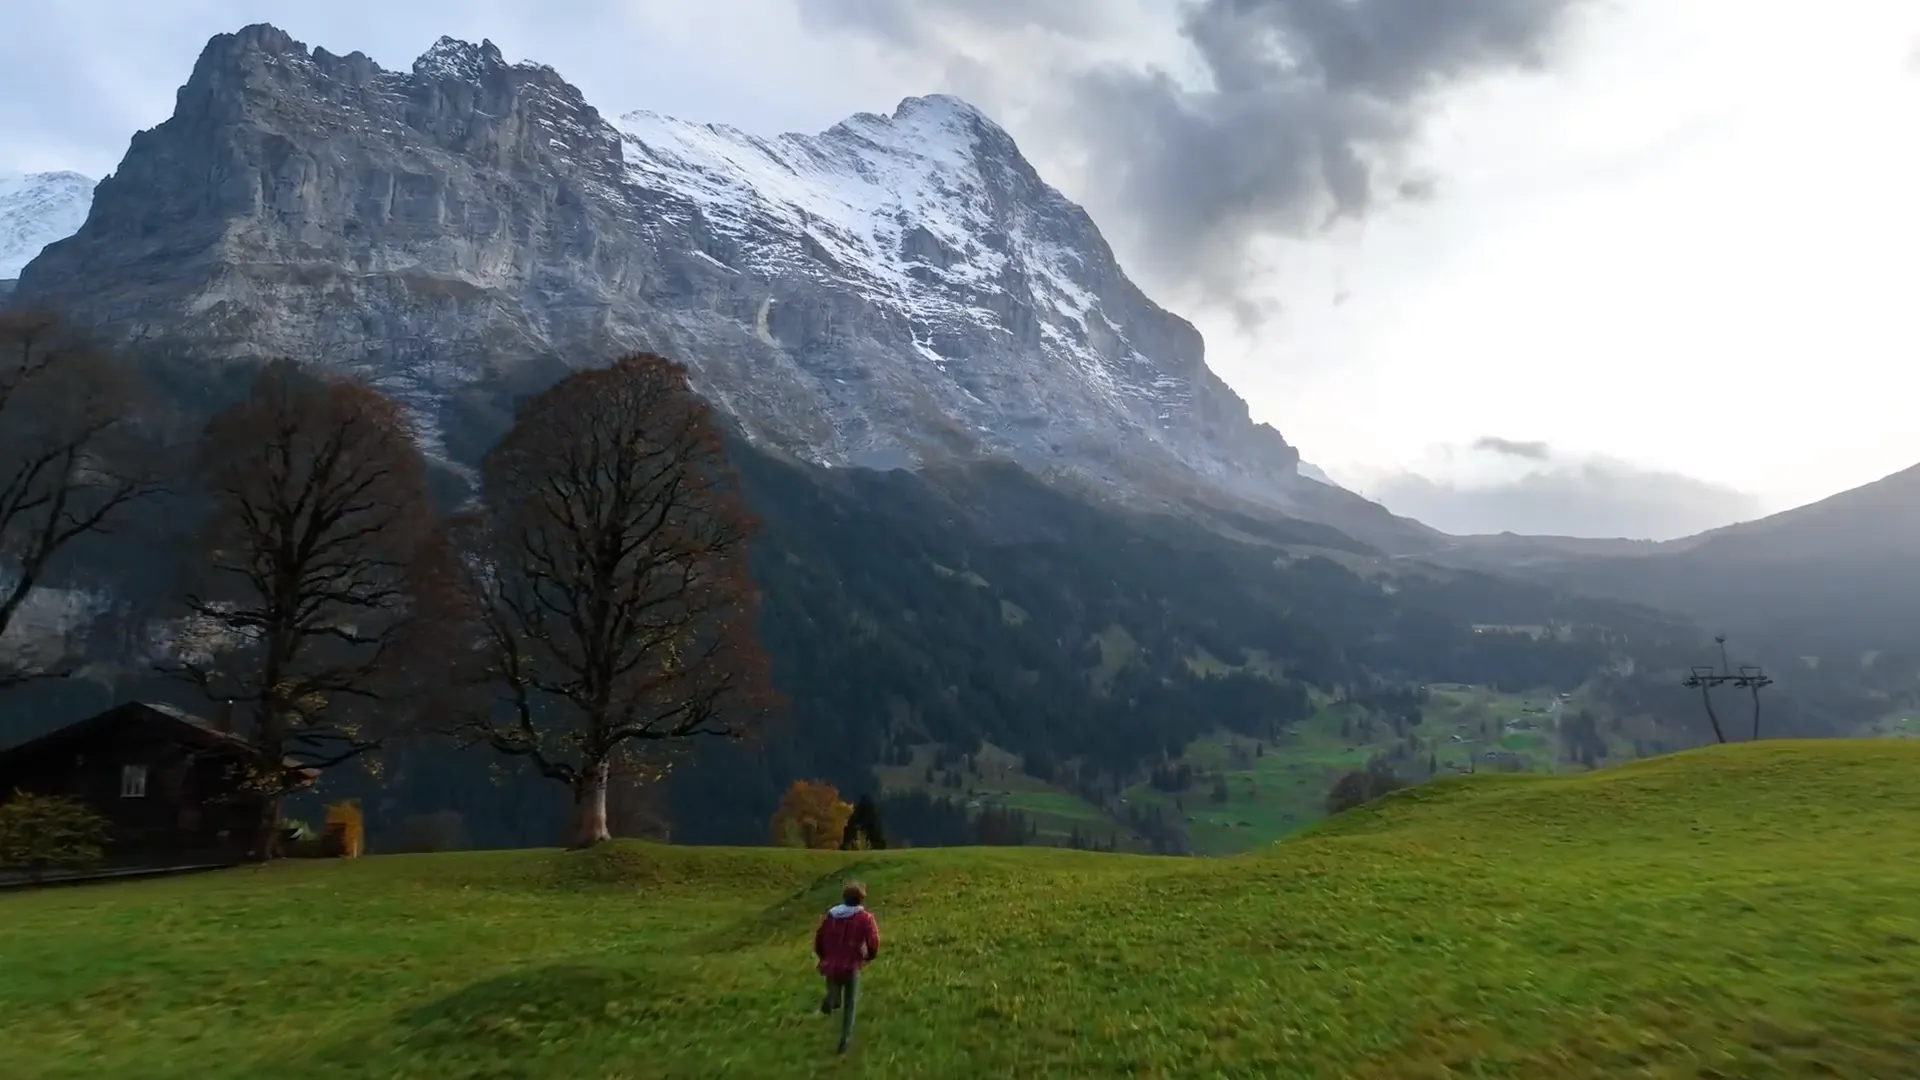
(1595, 267)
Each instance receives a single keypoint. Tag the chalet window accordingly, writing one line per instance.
(133, 781)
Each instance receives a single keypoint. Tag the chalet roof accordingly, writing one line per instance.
(193, 729)
(180, 715)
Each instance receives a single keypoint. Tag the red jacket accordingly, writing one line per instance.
(847, 938)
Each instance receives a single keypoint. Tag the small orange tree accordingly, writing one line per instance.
(345, 820)
(811, 815)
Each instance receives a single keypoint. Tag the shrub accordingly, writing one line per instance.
(1359, 787)
(38, 832)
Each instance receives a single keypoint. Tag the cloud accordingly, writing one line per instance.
(923, 25)
(1558, 495)
(1532, 451)
(1295, 113)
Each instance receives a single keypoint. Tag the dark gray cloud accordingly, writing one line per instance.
(1563, 496)
(1304, 117)
(1532, 451)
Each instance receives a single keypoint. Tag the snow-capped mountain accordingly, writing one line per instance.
(895, 290)
(1017, 321)
(35, 210)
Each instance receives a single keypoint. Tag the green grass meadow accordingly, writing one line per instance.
(998, 780)
(1284, 789)
(1738, 912)
(1280, 791)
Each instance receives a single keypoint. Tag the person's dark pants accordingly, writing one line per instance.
(841, 994)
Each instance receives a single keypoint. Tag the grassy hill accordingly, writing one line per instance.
(1743, 911)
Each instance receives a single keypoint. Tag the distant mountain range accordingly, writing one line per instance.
(900, 290)
(1838, 575)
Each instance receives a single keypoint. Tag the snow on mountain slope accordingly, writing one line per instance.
(858, 188)
(35, 210)
(870, 193)
(932, 214)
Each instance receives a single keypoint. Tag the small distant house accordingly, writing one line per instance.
(1505, 760)
(170, 784)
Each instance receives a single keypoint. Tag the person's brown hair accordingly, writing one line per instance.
(853, 893)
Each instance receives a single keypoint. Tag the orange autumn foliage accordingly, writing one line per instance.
(345, 821)
(812, 814)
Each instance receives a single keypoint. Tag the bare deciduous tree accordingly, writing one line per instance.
(607, 580)
(314, 602)
(73, 456)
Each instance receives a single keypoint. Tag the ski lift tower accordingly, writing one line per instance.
(1748, 677)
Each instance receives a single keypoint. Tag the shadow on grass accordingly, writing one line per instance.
(798, 912)
(532, 1023)
(545, 1005)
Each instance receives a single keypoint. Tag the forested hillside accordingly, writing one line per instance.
(956, 607)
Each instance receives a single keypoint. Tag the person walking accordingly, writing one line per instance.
(847, 940)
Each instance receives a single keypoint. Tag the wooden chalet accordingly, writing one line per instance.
(168, 783)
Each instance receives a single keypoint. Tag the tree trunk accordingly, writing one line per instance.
(270, 768)
(590, 807)
(266, 844)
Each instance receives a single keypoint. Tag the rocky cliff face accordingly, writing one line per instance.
(894, 290)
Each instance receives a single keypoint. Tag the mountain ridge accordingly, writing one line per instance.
(436, 225)
(897, 291)
(1832, 576)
